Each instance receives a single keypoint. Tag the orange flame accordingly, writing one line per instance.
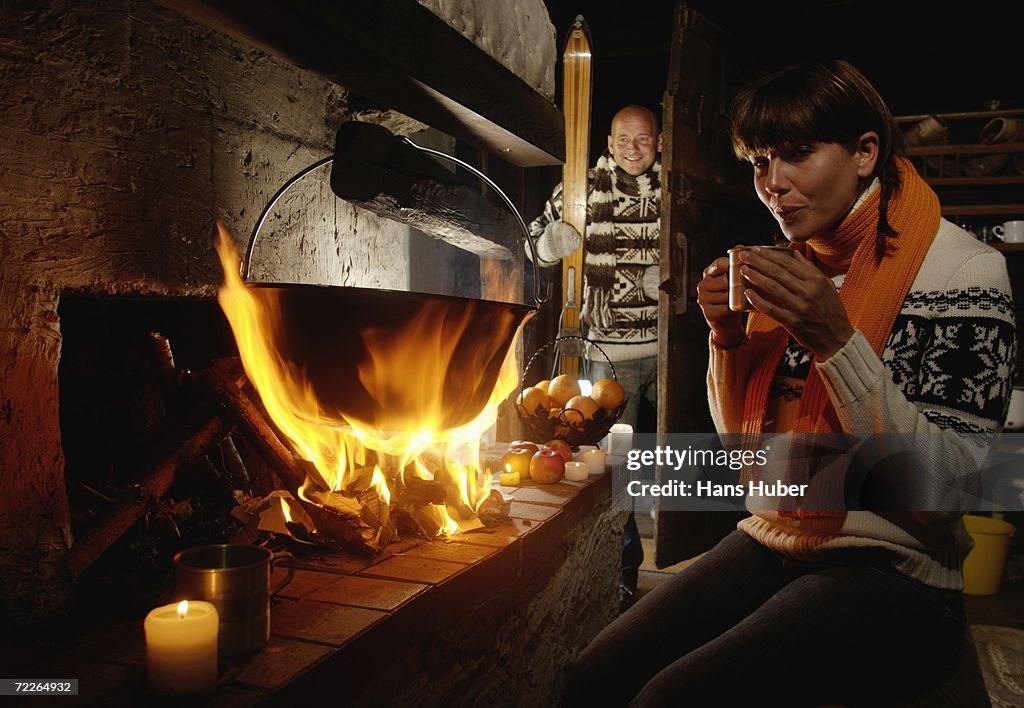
(412, 429)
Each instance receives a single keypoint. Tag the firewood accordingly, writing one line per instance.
(223, 377)
(163, 359)
(422, 491)
(154, 485)
(234, 465)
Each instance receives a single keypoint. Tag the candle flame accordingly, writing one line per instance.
(183, 609)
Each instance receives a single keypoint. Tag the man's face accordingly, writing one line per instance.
(634, 142)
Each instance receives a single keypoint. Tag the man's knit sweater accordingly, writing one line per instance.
(636, 224)
(945, 373)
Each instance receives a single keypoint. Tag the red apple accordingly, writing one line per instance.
(517, 460)
(524, 445)
(560, 446)
(547, 466)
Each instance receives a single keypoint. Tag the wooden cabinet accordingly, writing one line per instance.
(980, 182)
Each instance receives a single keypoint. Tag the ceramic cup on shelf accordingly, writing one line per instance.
(1002, 130)
(1010, 231)
(1015, 413)
(929, 131)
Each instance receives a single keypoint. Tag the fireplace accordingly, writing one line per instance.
(124, 144)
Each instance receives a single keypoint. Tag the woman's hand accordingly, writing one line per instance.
(713, 298)
(792, 291)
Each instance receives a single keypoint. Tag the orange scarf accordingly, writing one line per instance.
(872, 293)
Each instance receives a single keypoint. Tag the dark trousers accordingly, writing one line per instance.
(740, 626)
(632, 554)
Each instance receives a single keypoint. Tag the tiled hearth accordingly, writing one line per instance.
(489, 617)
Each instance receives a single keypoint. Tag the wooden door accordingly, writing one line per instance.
(708, 206)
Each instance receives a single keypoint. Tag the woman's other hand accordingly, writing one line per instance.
(713, 298)
(795, 293)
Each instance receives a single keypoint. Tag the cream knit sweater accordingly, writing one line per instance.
(945, 373)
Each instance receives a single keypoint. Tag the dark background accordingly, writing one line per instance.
(922, 57)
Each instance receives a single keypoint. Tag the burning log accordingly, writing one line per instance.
(423, 491)
(223, 377)
(155, 484)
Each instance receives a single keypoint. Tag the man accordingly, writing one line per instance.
(620, 270)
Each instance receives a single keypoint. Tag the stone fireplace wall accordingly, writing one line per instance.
(125, 132)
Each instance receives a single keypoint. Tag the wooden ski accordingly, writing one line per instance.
(577, 88)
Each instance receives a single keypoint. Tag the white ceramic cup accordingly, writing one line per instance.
(1010, 231)
(1015, 414)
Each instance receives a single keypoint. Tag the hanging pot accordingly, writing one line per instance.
(322, 330)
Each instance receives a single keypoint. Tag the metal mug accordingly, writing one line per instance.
(236, 579)
(737, 283)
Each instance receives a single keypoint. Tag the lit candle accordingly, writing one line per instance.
(509, 478)
(181, 647)
(594, 460)
(576, 471)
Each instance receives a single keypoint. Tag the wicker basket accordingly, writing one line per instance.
(541, 425)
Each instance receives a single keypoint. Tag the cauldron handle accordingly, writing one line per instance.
(247, 261)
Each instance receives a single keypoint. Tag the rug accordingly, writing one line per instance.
(1001, 654)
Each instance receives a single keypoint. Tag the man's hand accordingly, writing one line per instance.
(558, 241)
(649, 283)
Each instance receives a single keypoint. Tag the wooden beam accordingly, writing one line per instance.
(401, 55)
(382, 173)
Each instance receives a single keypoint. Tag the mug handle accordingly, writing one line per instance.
(283, 556)
(998, 231)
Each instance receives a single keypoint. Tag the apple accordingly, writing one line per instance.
(547, 466)
(524, 445)
(517, 460)
(560, 446)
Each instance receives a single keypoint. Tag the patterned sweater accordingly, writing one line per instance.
(637, 227)
(945, 372)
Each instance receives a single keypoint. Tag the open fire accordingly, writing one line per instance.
(414, 416)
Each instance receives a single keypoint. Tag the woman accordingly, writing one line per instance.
(884, 318)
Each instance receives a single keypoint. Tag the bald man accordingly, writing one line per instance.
(620, 273)
(620, 262)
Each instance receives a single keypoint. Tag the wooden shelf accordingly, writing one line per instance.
(963, 149)
(996, 181)
(1002, 113)
(984, 210)
(1008, 247)
(947, 167)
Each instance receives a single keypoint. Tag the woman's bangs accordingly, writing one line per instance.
(763, 123)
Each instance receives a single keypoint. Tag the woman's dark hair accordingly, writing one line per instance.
(829, 102)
